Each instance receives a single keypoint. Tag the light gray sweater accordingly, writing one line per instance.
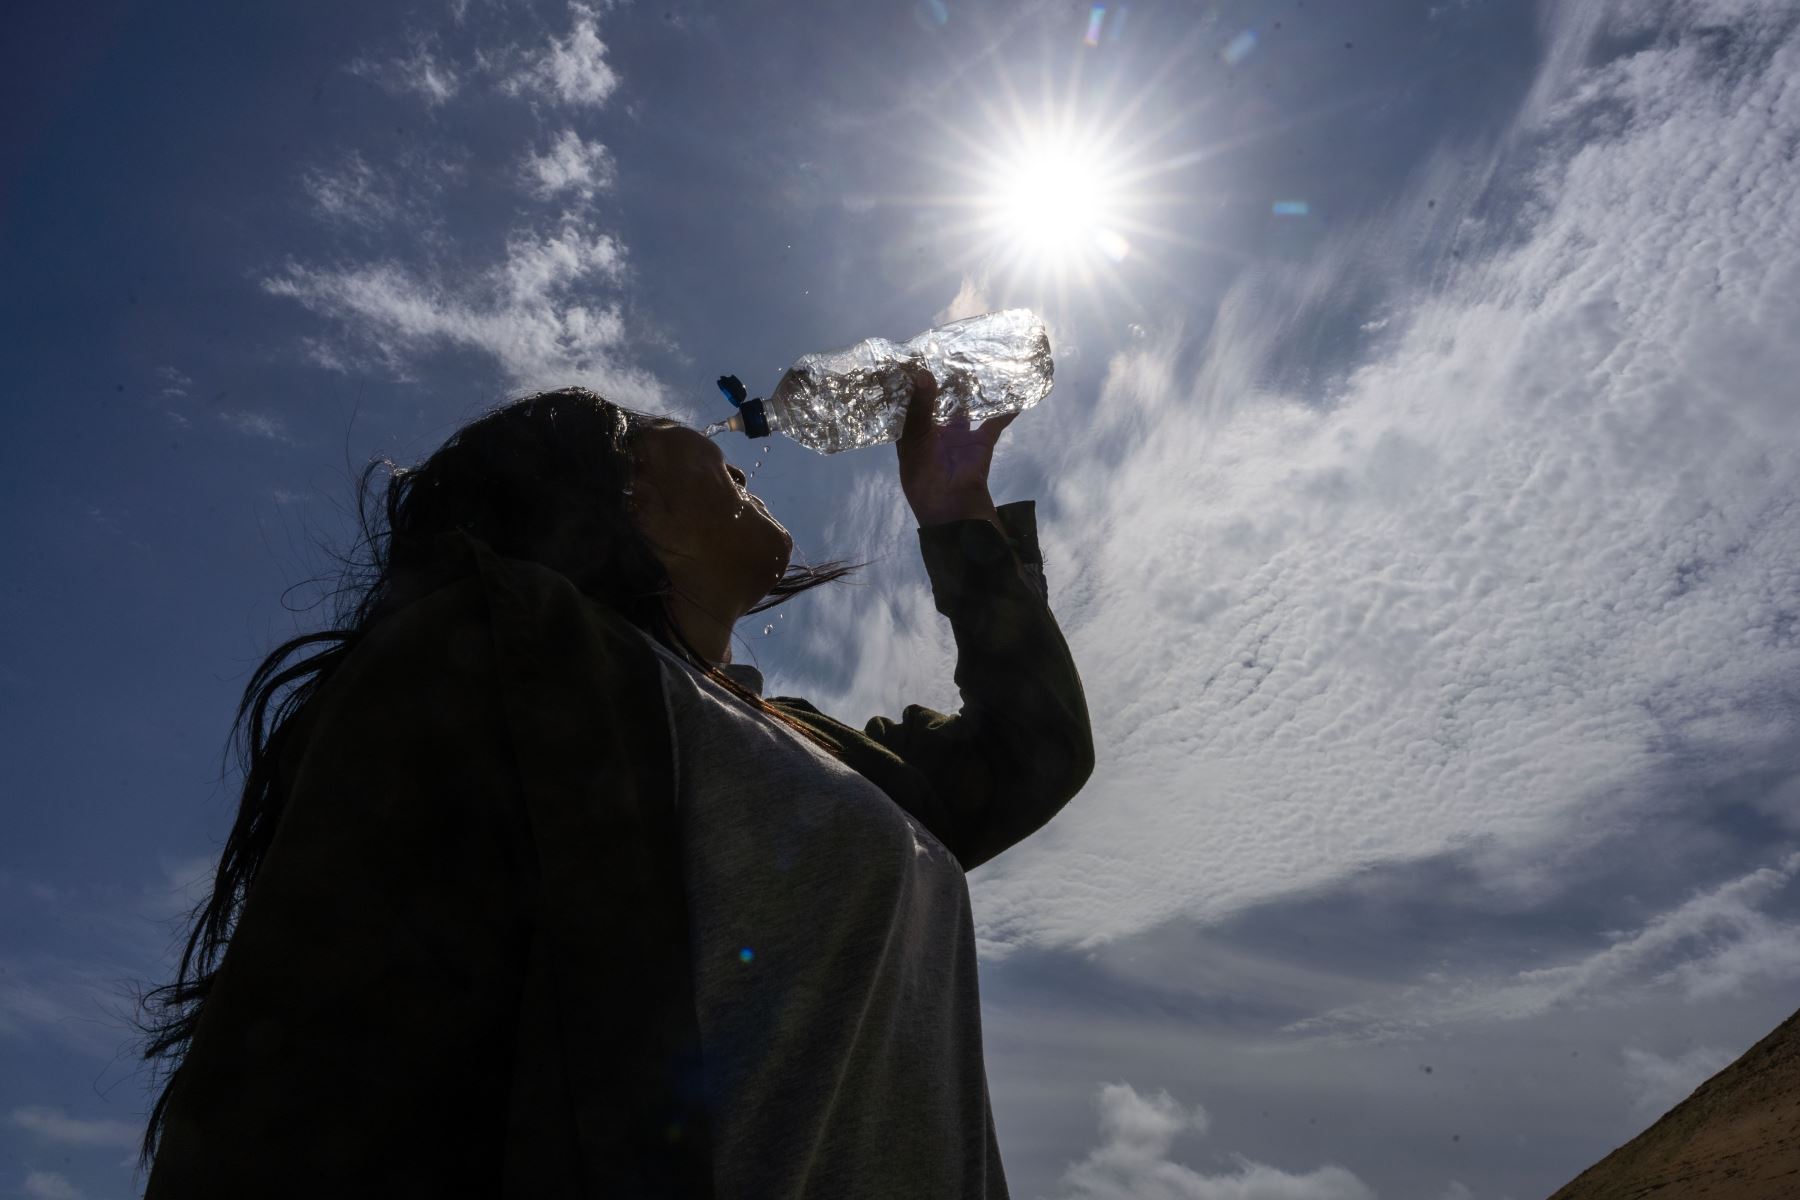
(834, 964)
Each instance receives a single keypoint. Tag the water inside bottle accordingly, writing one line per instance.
(985, 366)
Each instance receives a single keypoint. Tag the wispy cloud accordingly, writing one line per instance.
(63, 1000)
(48, 1185)
(175, 382)
(1716, 943)
(970, 301)
(1709, 946)
(570, 164)
(419, 72)
(1478, 591)
(55, 1125)
(254, 424)
(183, 884)
(353, 193)
(1661, 1083)
(1132, 1161)
(98, 944)
(572, 70)
(547, 308)
(529, 311)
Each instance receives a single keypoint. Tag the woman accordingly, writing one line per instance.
(532, 893)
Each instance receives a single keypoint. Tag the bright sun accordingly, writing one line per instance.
(1053, 201)
(1059, 201)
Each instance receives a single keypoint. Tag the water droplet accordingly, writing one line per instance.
(778, 616)
(768, 629)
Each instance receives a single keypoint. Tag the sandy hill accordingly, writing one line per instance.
(1736, 1138)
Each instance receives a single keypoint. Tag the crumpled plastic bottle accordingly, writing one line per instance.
(846, 399)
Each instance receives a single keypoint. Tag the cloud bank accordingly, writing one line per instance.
(1517, 579)
(1132, 1161)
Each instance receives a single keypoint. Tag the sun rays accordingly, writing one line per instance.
(1070, 197)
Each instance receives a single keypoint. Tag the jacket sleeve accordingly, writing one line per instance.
(358, 1036)
(1021, 746)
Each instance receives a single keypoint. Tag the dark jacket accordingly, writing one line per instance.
(463, 967)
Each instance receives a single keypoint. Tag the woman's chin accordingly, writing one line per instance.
(782, 550)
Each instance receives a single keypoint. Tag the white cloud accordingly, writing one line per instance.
(970, 301)
(1472, 595)
(353, 193)
(531, 312)
(1659, 1083)
(54, 1125)
(263, 425)
(48, 1185)
(400, 198)
(570, 165)
(175, 383)
(1132, 1161)
(572, 70)
(537, 311)
(419, 73)
(537, 265)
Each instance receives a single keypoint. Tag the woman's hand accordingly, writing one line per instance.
(944, 468)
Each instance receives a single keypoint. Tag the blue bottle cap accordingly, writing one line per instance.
(756, 424)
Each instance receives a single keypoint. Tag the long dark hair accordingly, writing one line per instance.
(543, 478)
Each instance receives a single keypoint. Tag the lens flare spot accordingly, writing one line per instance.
(1096, 16)
(931, 15)
(1238, 48)
(745, 955)
(1289, 208)
(1112, 244)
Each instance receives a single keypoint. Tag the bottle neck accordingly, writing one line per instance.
(755, 415)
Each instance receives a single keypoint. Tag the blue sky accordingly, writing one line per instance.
(1418, 496)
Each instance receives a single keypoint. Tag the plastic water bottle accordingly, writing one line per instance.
(996, 363)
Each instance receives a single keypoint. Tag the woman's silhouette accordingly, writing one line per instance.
(532, 893)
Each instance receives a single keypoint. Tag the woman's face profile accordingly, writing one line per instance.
(703, 523)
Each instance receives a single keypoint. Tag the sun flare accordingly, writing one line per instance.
(1053, 200)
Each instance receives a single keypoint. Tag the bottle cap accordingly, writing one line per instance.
(756, 423)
